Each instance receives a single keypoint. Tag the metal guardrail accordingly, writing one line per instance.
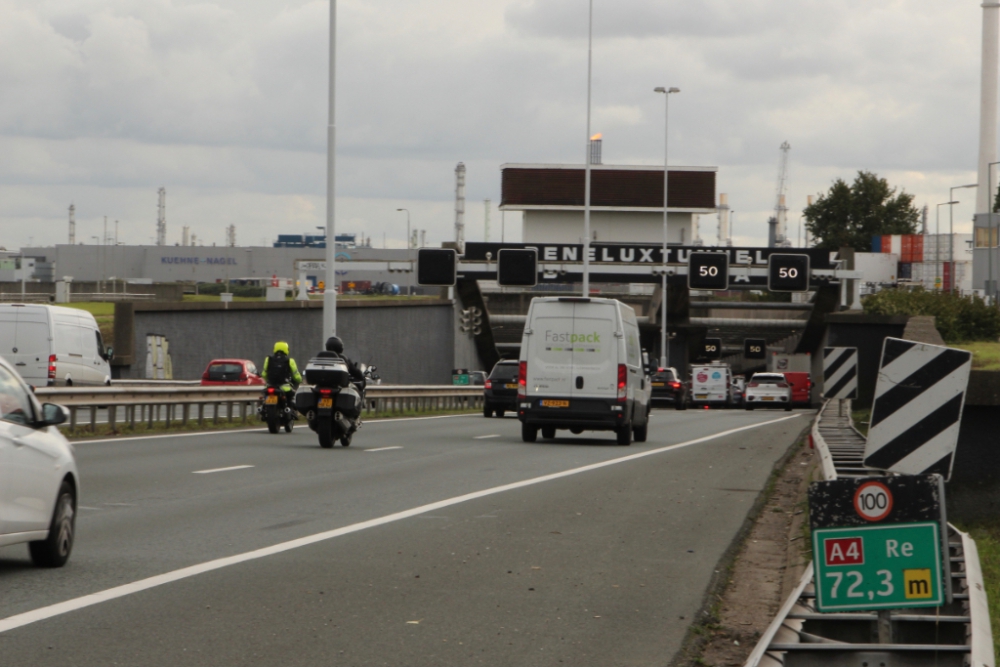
(956, 635)
(184, 404)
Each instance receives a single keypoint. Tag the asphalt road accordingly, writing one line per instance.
(604, 566)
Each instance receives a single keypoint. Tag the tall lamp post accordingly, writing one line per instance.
(937, 240)
(664, 337)
(330, 288)
(408, 244)
(586, 168)
(951, 232)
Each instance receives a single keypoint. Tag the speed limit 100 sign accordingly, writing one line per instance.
(708, 271)
(787, 272)
(873, 501)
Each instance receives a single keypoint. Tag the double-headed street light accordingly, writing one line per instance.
(937, 241)
(951, 231)
(664, 337)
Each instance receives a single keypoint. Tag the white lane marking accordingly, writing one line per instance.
(386, 420)
(382, 449)
(208, 472)
(67, 606)
(487, 437)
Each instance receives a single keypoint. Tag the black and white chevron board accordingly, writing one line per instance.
(840, 372)
(919, 396)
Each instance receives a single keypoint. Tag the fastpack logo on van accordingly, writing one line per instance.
(556, 337)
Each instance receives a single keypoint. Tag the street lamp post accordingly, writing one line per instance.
(937, 240)
(951, 232)
(330, 288)
(408, 244)
(586, 169)
(664, 337)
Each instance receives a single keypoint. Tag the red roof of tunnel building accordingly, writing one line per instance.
(528, 186)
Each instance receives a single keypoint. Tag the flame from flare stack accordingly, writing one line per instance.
(596, 137)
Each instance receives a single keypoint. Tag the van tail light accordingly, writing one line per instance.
(522, 379)
(489, 384)
(52, 367)
(622, 381)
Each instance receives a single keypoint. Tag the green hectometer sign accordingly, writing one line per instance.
(878, 567)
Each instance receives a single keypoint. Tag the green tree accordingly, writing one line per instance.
(848, 216)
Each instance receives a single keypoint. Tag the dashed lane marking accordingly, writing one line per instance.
(208, 472)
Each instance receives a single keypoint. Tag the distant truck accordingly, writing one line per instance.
(710, 385)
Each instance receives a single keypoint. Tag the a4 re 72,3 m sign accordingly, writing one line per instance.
(877, 543)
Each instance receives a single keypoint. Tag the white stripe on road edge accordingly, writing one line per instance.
(51, 611)
(237, 431)
(486, 437)
(382, 449)
(206, 472)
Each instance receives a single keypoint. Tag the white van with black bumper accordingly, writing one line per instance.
(581, 369)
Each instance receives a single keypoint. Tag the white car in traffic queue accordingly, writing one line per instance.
(39, 483)
(768, 390)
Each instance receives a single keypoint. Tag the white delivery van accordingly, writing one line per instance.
(581, 369)
(710, 385)
(51, 345)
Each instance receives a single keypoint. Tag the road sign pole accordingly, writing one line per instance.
(330, 288)
(884, 626)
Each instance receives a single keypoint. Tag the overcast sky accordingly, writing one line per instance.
(223, 102)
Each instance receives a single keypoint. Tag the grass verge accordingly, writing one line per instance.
(985, 355)
(987, 537)
(82, 433)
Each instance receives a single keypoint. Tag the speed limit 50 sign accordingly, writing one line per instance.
(788, 272)
(708, 271)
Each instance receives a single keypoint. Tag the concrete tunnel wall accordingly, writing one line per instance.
(409, 342)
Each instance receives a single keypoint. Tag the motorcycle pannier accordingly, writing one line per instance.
(349, 402)
(327, 373)
(305, 399)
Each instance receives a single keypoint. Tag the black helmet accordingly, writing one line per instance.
(334, 344)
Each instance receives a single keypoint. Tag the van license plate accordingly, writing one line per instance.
(701, 395)
(325, 403)
(511, 386)
(768, 398)
(555, 404)
(271, 400)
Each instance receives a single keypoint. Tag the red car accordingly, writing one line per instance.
(221, 372)
(801, 386)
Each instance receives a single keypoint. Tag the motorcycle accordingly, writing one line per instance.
(332, 403)
(275, 409)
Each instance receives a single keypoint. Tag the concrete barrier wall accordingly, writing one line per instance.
(410, 342)
(974, 489)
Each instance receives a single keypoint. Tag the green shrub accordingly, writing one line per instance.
(958, 318)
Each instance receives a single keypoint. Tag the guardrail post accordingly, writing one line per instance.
(112, 415)
(72, 417)
(243, 412)
(201, 414)
(185, 411)
(215, 413)
(168, 408)
(132, 417)
(93, 418)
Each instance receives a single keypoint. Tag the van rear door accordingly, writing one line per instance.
(595, 350)
(30, 352)
(549, 350)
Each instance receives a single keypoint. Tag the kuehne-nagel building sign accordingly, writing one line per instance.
(643, 253)
(231, 261)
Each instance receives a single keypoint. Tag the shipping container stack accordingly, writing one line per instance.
(924, 259)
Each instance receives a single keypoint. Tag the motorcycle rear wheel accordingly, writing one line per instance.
(324, 429)
(272, 425)
(288, 426)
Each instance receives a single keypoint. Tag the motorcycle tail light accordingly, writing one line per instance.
(270, 390)
(325, 392)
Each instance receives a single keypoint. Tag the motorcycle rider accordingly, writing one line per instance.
(280, 371)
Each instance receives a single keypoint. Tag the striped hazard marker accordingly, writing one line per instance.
(917, 410)
(840, 372)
